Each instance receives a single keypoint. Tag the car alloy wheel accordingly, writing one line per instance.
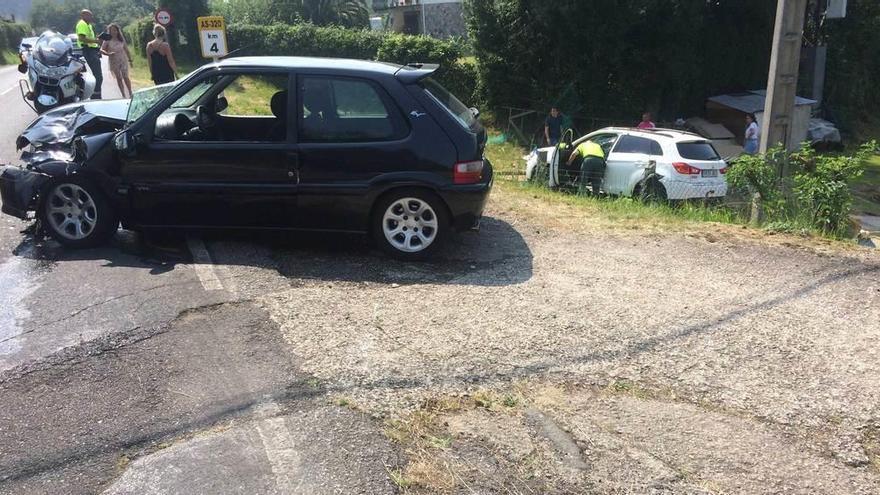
(410, 225)
(71, 212)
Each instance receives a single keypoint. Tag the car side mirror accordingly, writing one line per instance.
(125, 142)
(222, 104)
(475, 112)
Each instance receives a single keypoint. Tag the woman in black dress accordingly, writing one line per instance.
(162, 66)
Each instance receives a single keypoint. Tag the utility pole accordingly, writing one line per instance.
(782, 80)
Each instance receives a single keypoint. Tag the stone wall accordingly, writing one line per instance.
(445, 19)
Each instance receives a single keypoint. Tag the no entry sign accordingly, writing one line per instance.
(163, 17)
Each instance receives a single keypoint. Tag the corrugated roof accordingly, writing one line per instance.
(751, 101)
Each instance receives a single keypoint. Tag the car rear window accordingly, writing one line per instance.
(698, 150)
(448, 101)
(635, 144)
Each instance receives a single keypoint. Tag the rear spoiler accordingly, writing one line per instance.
(413, 73)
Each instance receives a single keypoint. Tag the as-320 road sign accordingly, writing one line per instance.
(212, 36)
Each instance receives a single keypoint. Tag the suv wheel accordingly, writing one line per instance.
(410, 224)
(76, 214)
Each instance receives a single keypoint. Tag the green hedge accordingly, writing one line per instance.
(458, 75)
(139, 33)
(11, 34)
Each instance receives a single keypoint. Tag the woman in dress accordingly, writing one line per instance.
(116, 50)
(162, 66)
(753, 133)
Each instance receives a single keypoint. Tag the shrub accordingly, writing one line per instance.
(11, 34)
(139, 33)
(458, 74)
(802, 188)
(822, 186)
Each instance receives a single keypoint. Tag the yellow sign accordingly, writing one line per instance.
(212, 36)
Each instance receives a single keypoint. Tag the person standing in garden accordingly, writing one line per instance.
(752, 135)
(553, 127)
(646, 122)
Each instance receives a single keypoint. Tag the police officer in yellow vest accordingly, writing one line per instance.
(85, 34)
(592, 165)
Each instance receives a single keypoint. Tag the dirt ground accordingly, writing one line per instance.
(551, 353)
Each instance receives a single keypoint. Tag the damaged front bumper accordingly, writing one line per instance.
(19, 189)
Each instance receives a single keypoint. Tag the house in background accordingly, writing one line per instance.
(437, 18)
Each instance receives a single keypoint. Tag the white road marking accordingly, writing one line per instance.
(203, 265)
(283, 457)
(8, 90)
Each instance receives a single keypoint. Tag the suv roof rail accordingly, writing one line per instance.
(415, 72)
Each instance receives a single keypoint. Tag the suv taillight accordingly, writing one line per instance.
(685, 169)
(467, 172)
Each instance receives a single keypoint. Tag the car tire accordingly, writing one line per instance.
(410, 224)
(77, 214)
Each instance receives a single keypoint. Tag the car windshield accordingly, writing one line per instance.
(698, 150)
(452, 104)
(144, 99)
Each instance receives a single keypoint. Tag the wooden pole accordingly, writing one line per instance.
(782, 79)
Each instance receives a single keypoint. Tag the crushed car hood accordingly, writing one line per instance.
(58, 127)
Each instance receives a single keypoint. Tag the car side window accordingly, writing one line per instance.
(656, 150)
(250, 95)
(606, 141)
(337, 109)
(229, 108)
(640, 145)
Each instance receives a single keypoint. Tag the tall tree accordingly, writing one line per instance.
(347, 13)
(183, 34)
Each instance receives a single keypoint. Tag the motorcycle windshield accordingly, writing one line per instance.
(52, 49)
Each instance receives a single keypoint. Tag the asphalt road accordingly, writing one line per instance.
(596, 360)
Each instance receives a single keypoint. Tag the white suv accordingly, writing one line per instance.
(686, 165)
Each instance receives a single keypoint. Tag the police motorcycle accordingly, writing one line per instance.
(56, 73)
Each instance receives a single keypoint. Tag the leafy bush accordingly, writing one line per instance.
(823, 186)
(139, 33)
(800, 189)
(11, 34)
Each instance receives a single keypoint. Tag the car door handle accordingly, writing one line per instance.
(293, 165)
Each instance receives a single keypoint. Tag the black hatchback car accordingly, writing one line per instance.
(293, 143)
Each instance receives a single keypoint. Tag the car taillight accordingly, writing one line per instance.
(723, 170)
(685, 169)
(467, 172)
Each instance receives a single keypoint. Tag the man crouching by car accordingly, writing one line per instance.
(591, 163)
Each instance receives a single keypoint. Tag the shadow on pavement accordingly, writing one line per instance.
(496, 256)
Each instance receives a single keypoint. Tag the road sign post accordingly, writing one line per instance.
(212, 36)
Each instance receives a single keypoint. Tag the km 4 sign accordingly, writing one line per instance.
(212, 36)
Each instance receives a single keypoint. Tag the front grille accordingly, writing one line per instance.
(48, 81)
